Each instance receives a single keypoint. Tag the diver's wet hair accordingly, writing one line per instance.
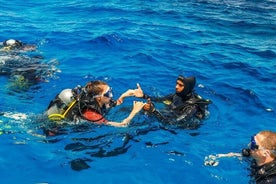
(94, 87)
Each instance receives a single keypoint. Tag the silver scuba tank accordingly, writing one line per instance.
(65, 97)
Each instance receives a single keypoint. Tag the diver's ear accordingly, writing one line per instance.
(267, 153)
(98, 98)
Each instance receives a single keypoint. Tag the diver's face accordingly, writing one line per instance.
(179, 86)
(258, 153)
(107, 94)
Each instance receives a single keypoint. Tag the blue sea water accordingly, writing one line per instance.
(229, 45)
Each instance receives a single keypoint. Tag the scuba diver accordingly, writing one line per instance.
(184, 108)
(16, 45)
(22, 68)
(90, 103)
(262, 150)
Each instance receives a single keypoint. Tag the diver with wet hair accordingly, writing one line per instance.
(261, 151)
(90, 103)
(185, 108)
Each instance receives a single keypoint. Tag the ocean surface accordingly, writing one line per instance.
(228, 45)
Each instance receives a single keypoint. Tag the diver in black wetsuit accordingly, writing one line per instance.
(16, 45)
(263, 151)
(22, 68)
(185, 108)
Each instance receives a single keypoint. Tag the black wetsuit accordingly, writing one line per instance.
(25, 67)
(265, 174)
(185, 111)
(9, 63)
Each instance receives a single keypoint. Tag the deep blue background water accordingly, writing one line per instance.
(228, 45)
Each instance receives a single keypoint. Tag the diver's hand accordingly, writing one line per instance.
(137, 106)
(138, 92)
(149, 106)
(212, 160)
(131, 92)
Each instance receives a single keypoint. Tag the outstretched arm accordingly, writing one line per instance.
(131, 92)
(137, 106)
(140, 94)
(212, 160)
(128, 93)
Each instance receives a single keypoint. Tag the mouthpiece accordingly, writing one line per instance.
(246, 152)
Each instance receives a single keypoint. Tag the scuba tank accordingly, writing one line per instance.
(60, 106)
(70, 104)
